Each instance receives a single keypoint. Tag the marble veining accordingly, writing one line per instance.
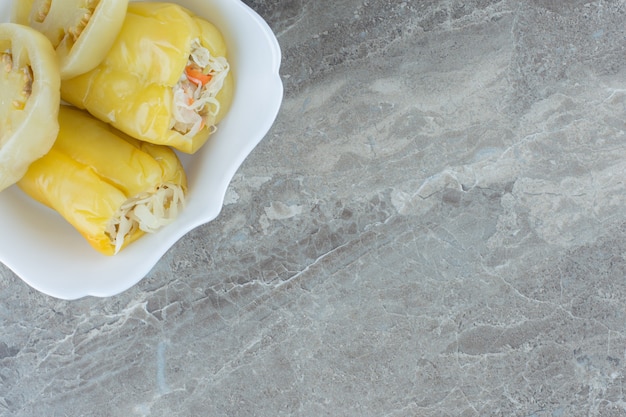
(434, 226)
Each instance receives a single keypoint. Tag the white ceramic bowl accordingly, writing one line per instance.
(49, 255)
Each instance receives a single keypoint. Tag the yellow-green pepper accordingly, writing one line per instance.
(110, 187)
(81, 31)
(135, 86)
(29, 99)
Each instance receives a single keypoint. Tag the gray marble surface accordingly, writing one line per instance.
(434, 226)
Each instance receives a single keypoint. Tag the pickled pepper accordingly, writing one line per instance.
(110, 187)
(165, 80)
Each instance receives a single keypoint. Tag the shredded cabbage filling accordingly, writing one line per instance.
(195, 105)
(146, 211)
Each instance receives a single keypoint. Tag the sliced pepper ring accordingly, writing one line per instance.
(81, 31)
(29, 99)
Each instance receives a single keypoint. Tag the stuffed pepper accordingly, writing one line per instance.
(166, 79)
(81, 31)
(29, 99)
(110, 187)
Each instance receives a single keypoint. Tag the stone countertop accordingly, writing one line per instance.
(434, 226)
